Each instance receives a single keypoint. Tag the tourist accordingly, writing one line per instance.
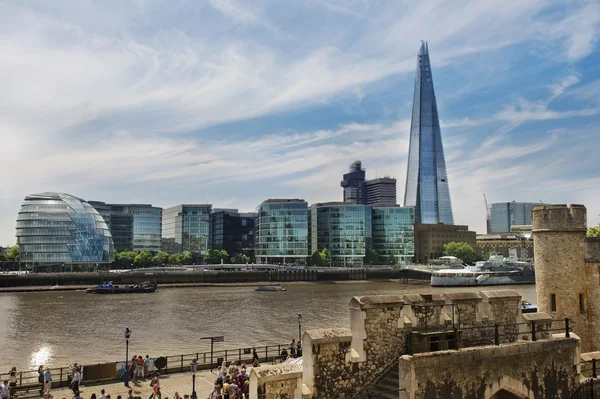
(41, 375)
(77, 396)
(215, 392)
(220, 375)
(130, 394)
(225, 389)
(284, 354)
(4, 390)
(299, 349)
(107, 396)
(293, 348)
(102, 395)
(156, 390)
(246, 389)
(12, 376)
(119, 397)
(93, 396)
(47, 380)
(255, 361)
(233, 390)
(149, 366)
(176, 396)
(141, 363)
(231, 368)
(134, 368)
(75, 381)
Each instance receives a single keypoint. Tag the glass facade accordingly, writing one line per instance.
(187, 228)
(233, 231)
(343, 229)
(281, 232)
(55, 228)
(427, 187)
(503, 215)
(394, 233)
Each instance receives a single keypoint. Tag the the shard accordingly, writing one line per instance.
(426, 180)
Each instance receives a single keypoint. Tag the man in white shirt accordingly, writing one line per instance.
(4, 390)
(102, 396)
(76, 380)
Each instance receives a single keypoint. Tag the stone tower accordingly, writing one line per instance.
(567, 269)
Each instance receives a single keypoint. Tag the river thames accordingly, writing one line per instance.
(59, 328)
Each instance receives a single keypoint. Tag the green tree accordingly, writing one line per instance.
(2, 257)
(326, 256)
(143, 259)
(214, 256)
(160, 258)
(392, 260)
(461, 250)
(175, 259)
(316, 259)
(125, 259)
(186, 258)
(239, 259)
(13, 254)
(594, 231)
(371, 257)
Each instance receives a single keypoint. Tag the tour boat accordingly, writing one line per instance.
(270, 288)
(528, 307)
(109, 288)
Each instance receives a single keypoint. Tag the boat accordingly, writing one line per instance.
(270, 288)
(528, 307)
(109, 288)
(497, 270)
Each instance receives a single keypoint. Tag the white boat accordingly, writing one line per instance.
(270, 288)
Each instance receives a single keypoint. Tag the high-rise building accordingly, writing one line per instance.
(504, 215)
(426, 180)
(393, 233)
(136, 227)
(354, 184)
(54, 229)
(187, 228)
(281, 232)
(381, 191)
(233, 231)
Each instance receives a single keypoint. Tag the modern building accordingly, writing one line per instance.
(281, 232)
(233, 231)
(354, 184)
(381, 191)
(430, 239)
(344, 229)
(187, 228)
(503, 243)
(55, 229)
(393, 233)
(135, 227)
(426, 180)
(504, 215)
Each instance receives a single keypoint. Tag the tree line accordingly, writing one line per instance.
(125, 259)
(323, 258)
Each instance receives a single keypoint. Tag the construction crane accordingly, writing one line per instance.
(487, 216)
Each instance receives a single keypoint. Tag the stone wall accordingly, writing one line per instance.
(281, 381)
(541, 369)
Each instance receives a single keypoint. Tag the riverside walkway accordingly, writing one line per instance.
(169, 384)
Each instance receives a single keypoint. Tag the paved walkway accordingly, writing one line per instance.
(169, 384)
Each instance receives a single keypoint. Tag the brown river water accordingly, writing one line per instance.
(59, 328)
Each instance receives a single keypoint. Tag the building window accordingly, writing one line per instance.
(581, 304)
(553, 302)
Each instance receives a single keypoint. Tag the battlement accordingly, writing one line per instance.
(559, 218)
(592, 249)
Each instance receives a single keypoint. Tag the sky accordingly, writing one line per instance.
(232, 102)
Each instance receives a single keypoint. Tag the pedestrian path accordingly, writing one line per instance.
(169, 384)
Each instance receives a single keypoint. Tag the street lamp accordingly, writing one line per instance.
(299, 328)
(193, 367)
(127, 335)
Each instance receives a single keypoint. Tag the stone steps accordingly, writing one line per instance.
(387, 387)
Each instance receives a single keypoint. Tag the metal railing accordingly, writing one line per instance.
(590, 387)
(61, 376)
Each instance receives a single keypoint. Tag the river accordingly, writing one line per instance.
(59, 328)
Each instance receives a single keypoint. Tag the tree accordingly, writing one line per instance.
(239, 259)
(214, 256)
(175, 259)
(326, 257)
(160, 258)
(461, 250)
(594, 231)
(2, 257)
(392, 260)
(125, 259)
(143, 259)
(316, 259)
(371, 257)
(13, 254)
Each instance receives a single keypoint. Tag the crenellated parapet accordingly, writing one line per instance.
(559, 218)
(592, 249)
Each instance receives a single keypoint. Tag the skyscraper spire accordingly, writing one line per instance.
(426, 180)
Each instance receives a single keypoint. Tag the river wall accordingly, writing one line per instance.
(210, 277)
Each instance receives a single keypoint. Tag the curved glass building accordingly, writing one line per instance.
(281, 232)
(57, 229)
(344, 229)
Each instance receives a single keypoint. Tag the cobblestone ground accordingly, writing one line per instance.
(169, 384)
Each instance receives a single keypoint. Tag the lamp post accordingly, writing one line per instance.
(193, 367)
(299, 328)
(127, 335)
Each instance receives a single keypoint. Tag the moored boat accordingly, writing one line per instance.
(109, 288)
(528, 307)
(270, 288)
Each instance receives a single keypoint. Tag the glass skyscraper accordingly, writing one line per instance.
(504, 215)
(233, 231)
(426, 180)
(187, 228)
(394, 233)
(281, 232)
(55, 229)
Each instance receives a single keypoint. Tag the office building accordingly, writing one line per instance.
(354, 184)
(427, 187)
(281, 232)
(393, 233)
(381, 191)
(135, 227)
(344, 229)
(504, 215)
(233, 231)
(187, 228)
(54, 229)
(430, 239)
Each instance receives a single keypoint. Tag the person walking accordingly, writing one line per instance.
(293, 348)
(4, 390)
(75, 381)
(255, 362)
(12, 385)
(47, 380)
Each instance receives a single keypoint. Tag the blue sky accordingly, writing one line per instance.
(232, 102)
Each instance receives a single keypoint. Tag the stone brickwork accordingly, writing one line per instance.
(567, 267)
(282, 381)
(541, 369)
